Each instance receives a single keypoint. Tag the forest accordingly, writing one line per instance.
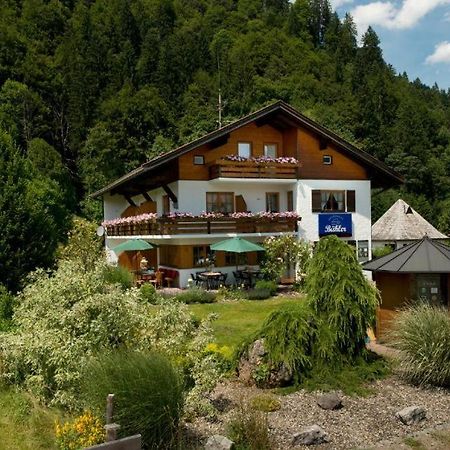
(89, 89)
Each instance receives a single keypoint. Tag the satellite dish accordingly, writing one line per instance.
(100, 230)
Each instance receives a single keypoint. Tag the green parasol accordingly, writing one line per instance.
(236, 245)
(132, 245)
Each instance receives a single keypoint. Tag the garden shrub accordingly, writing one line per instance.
(148, 394)
(422, 333)
(271, 286)
(288, 334)
(196, 295)
(258, 294)
(149, 294)
(381, 251)
(327, 329)
(174, 331)
(342, 300)
(118, 275)
(83, 431)
(284, 253)
(265, 403)
(60, 321)
(249, 429)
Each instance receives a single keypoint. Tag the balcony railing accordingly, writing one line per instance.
(223, 225)
(250, 169)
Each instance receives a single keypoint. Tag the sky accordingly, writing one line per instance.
(414, 34)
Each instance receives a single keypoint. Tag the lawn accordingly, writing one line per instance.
(238, 319)
(24, 424)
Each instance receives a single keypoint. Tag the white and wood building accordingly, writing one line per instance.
(271, 172)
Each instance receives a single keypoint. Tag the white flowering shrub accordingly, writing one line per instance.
(66, 318)
(63, 319)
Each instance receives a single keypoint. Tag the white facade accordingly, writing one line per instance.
(192, 198)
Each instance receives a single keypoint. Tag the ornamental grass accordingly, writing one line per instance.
(422, 334)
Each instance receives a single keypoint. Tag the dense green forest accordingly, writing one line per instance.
(89, 89)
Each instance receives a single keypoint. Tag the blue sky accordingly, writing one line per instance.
(414, 34)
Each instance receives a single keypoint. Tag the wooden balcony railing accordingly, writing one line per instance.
(178, 226)
(250, 169)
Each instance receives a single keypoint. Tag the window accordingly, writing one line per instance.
(333, 201)
(272, 202)
(327, 160)
(231, 259)
(166, 205)
(220, 202)
(270, 150)
(290, 201)
(200, 255)
(199, 160)
(245, 149)
(363, 251)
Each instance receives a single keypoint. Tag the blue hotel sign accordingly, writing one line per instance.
(338, 224)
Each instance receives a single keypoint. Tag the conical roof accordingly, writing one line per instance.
(402, 223)
(424, 256)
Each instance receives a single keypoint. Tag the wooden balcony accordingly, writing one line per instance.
(188, 226)
(250, 169)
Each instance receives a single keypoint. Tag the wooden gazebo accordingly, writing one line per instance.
(418, 270)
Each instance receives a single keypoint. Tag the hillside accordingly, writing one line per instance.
(89, 89)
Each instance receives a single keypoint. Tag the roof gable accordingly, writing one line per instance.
(402, 223)
(280, 115)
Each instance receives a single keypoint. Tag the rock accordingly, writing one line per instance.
(218, 442)
(253, 359)
(411, 415)
(256, 351)
(329, 401)
(313, 435)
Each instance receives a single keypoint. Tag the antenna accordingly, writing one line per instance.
(219, 106)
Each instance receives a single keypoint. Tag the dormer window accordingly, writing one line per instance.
(327, 159)
(245, 149)
(270, 150)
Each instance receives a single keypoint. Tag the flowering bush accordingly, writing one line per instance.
(211, 215)
(262, 159)
(60, 321)
(84, 431)
(179, 215)
(283, 253)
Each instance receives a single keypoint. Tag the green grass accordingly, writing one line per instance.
(239, 319)
(414, 443)
(25, 425)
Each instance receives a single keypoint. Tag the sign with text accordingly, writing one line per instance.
(339, 224)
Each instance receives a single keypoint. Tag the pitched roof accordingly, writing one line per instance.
(284, 114)
(402, 223)
(424, 256)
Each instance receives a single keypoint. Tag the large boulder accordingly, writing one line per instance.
(411, 415)
(218, 442)
(255, 369)
(312, 435)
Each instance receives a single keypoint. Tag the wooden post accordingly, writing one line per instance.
(110, 427)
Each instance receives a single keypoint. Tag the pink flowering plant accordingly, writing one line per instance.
(141, 218)
(262, 159)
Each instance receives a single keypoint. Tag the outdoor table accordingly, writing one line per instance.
(212, 279)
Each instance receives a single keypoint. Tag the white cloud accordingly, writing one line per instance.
(441, 54)
(337, 3)
(388, 15)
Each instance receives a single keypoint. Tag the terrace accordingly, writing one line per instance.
(209, 223)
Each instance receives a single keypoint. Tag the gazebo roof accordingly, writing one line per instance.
(424, 256)
(402, 223)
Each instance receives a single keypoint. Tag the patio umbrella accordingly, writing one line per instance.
(236, 245)
(132, 245)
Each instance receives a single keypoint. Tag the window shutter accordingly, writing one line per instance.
(316, 201)
(351, 202)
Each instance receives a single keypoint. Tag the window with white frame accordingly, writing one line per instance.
(245, 149)
(270, 150)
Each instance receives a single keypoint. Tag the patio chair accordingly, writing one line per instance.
(238, 278)
(223, 279)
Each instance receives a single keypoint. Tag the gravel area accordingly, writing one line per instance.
(363, 422)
